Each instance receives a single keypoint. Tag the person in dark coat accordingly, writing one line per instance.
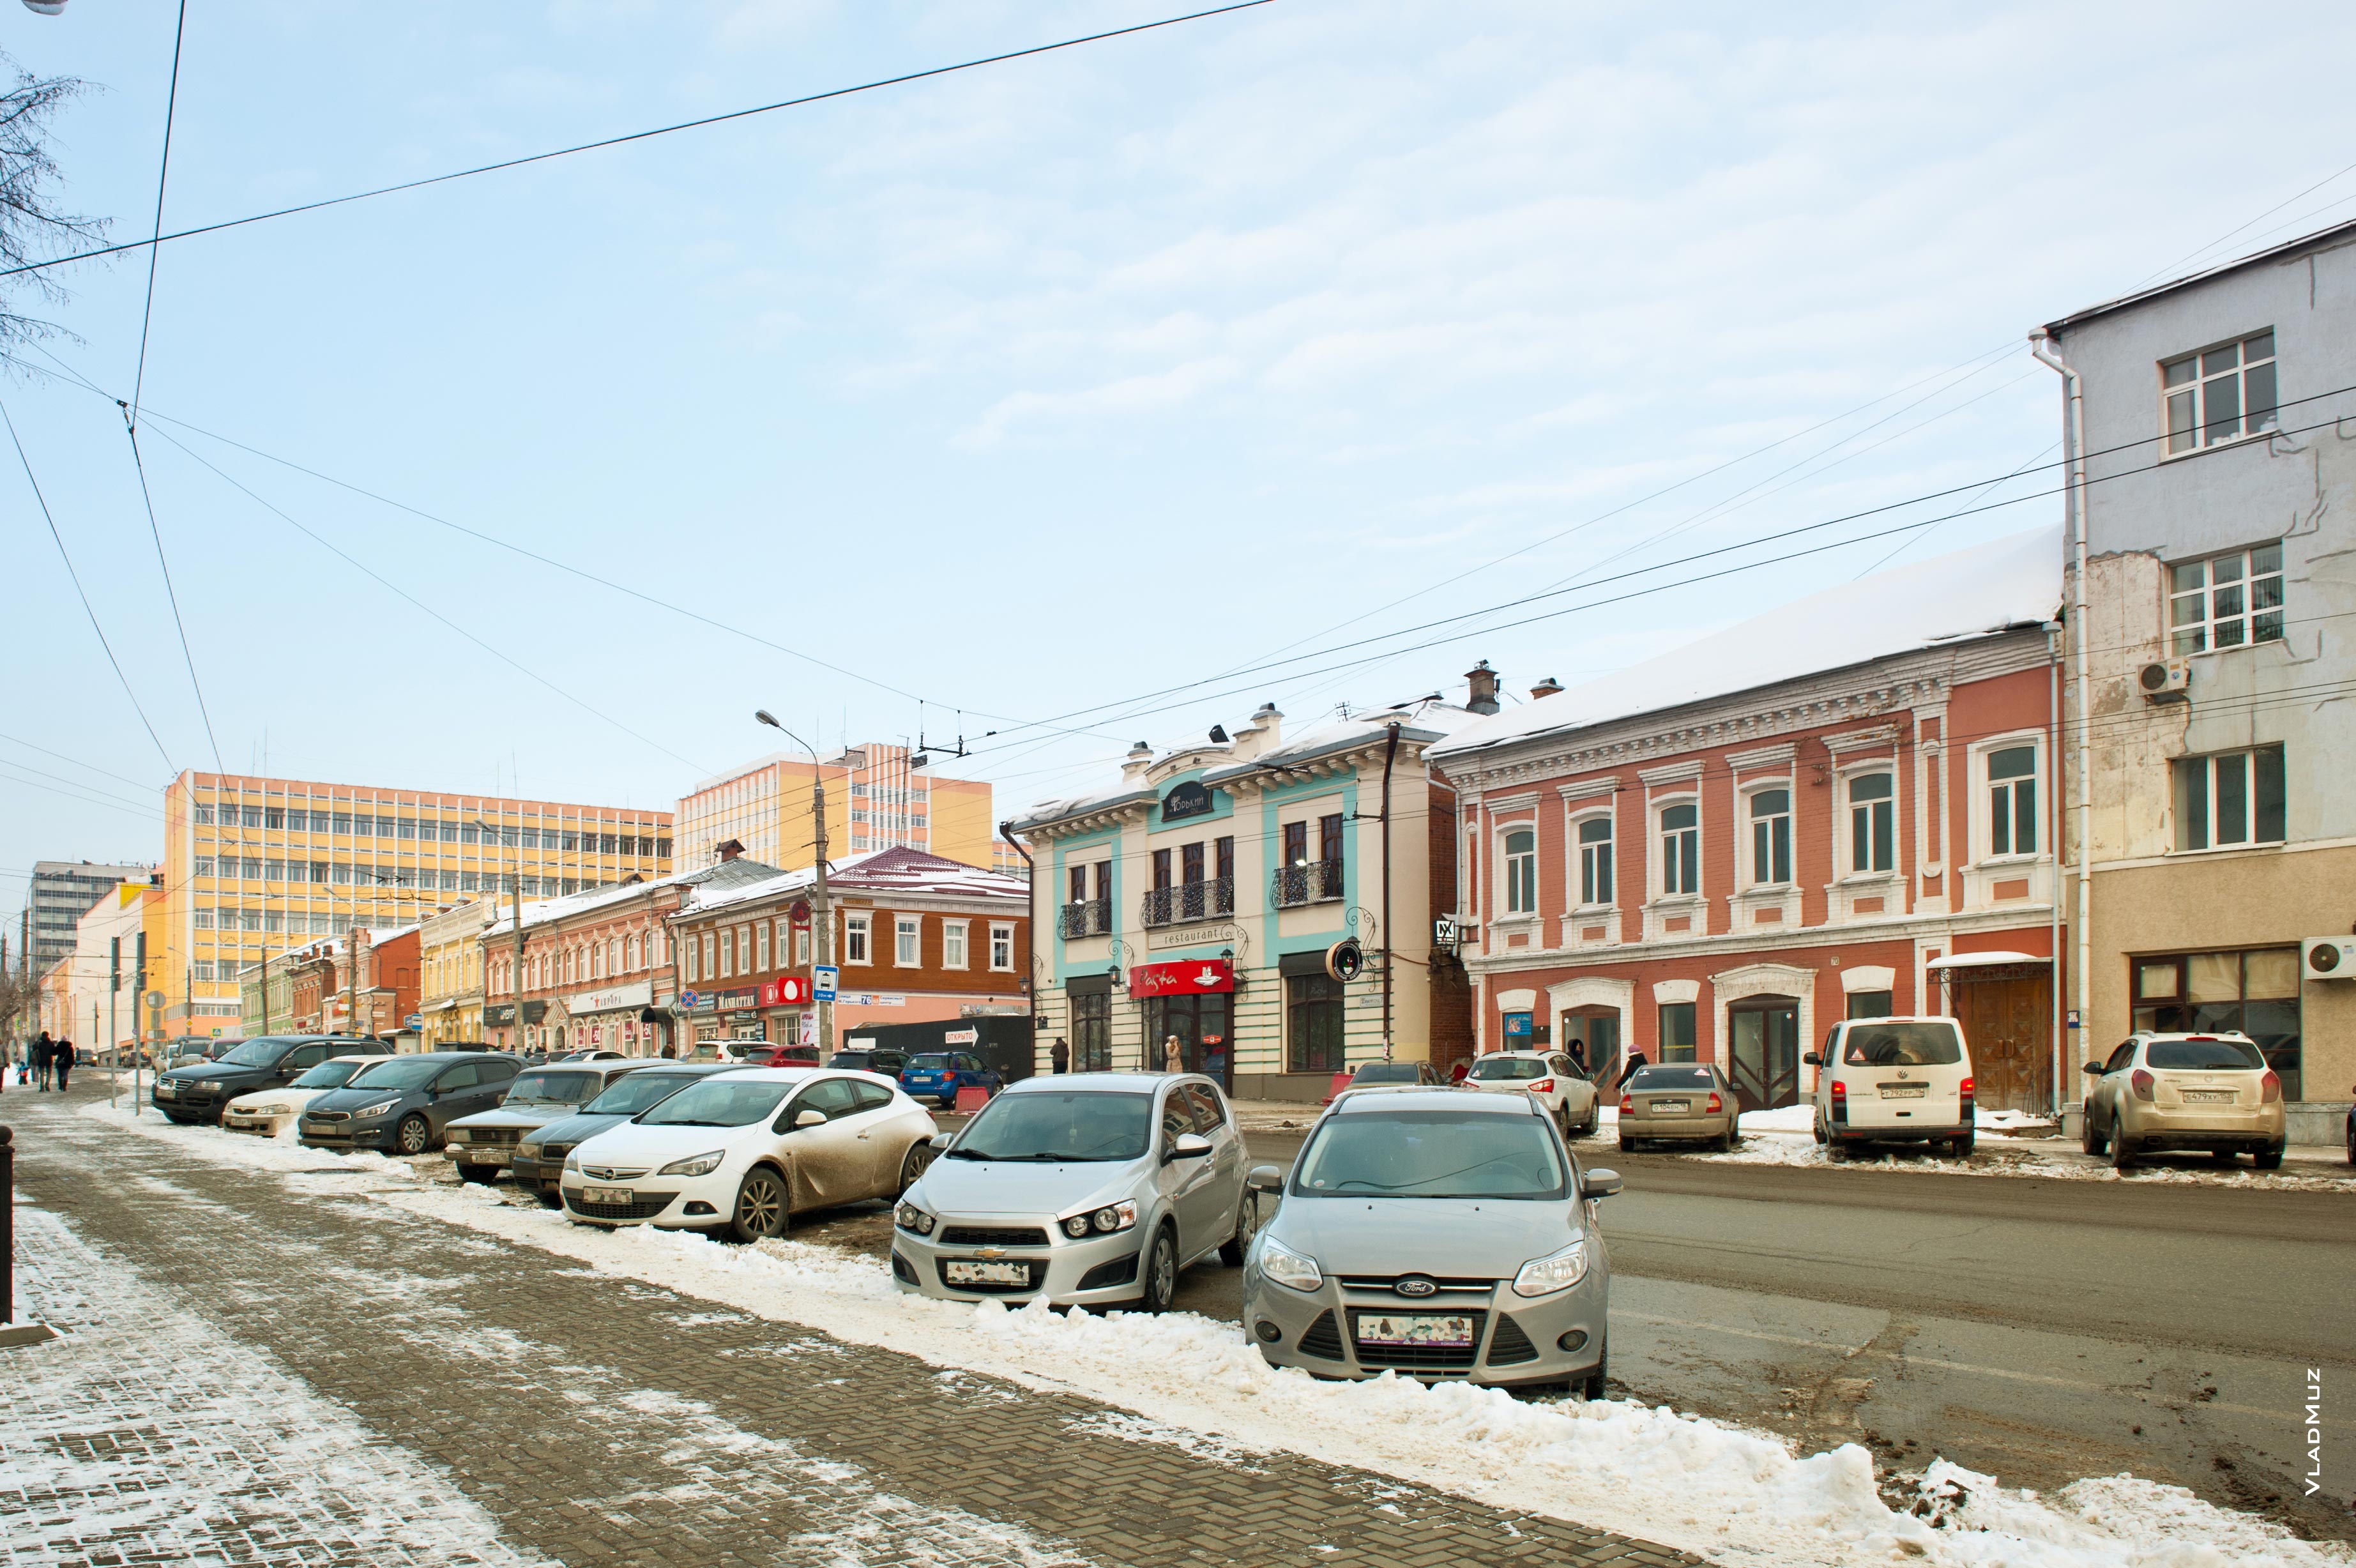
(1636, 1064)
(44, 1049)
(1579, 1054)
(61, 1058)
(1059, 1054)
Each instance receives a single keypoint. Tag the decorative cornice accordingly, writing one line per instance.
(1764, 758)
(1588, 789)
(1512, 802)
(1683, 772)
(1861, 739)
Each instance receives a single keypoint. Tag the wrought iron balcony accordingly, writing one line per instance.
(1311, 882)
(1092, 917)
(1190, 901)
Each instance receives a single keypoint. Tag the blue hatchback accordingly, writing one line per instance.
(939, 1075)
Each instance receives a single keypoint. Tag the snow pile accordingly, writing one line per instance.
(282, 1152)
(2062, 1164)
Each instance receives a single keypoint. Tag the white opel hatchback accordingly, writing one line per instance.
(741, 1151)
(1894, 1080)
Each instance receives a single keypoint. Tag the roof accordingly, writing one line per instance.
(546, 911)
(1938, 603)
(876, 873)
(1090, 1082)
(2337, 234)
(1424, 1097)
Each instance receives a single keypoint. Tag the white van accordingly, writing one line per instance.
(1894, 1080)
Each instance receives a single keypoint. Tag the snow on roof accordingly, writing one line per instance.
(878, 872)
(2010, 581)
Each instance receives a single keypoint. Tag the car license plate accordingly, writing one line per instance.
(960, 1272)
(604, 1195)
(166, 1092)
(1387, 1330)
(1666, 1107)
(1904, 1090)
(2209, 1097)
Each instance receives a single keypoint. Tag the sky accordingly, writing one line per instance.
(1085, 398)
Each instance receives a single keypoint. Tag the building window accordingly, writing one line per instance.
(854, 938)
(1092, 1032)
(2219, 394)
(1190, 863)
(2012, 801)
(1676, 1031)
(1870, 1004)
(727, 955)
(762, 944)
(952, 944)
(1522, 872)
(1313, 1024)
(1002, 947)
(2253, 993)
(1680, 848)
(710, 945)
(1595, 861)
(1872, 827)
(1296, 843)
(2233, 797)
(203, 865)
(1329, 839)
(1770, 838)
(2227, 601)
(801, 947)
(907, 941)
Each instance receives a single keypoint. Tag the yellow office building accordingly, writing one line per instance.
(254, 866)
(876, 798)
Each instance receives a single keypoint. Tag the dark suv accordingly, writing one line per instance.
(196, 1091)
(407, 1101)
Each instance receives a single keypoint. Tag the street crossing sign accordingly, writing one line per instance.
(825, 979)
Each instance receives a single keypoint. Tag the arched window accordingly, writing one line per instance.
(1873, 833)
(1771, 837)
(1681, 849)
(1595, 860)
(1522, 872)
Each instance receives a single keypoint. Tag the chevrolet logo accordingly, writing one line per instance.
(991, 1252)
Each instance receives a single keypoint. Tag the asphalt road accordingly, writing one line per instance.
(2038, 1330)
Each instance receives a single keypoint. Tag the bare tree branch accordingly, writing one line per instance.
(31, 228)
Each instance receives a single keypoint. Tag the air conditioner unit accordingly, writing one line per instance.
(2327, 958)
(2165, 679)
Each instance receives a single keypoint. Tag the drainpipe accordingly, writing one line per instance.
(2055, 632)
(1390, 755)
(2041, 346)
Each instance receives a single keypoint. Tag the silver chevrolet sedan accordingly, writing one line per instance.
(1438, 1235)
(1079, 1188)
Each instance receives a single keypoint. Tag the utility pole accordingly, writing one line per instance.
(113, 990)
(825, 922)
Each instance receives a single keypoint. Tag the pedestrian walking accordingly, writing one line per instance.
(43, 1049)
(1636, 1064)
(1457, 1073)
(62, 1056)
(1173, 1055)
(1059, 1054)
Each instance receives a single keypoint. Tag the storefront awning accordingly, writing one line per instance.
(1973, 960)
(1977, 968)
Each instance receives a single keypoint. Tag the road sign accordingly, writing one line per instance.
(1445, 934)
(688, 999)
(155, 999)
(825, 979)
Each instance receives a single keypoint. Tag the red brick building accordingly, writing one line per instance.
(1841, 809)
(917, 937)
(326, 996)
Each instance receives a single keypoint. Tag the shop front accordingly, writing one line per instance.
(1194, 1001)
(786, 1013)
(609, 1019)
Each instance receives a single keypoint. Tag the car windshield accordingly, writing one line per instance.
(719, 1102)
(329, 1075)
(1901, 1044)
(256, 1053)
(1671, 1078)
(930, 1062)
(1510, 1067)
(1430, 1153)
(1083, 1125)
(639, 1091)
(1385, 1072)
(2204, 1056)
(855, 1060)
(405, 1072)
(557, 1087)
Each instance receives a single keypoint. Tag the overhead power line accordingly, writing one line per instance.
(629, 137)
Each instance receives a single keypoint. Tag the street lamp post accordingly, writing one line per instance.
(825, 922)
(515, 887)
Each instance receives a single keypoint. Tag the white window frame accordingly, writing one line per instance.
(857, 938)
(1508, 874)
(801, 947)
(1658, 858)
(2211, 764)
(1845, 848)
(908, 932)
(710, 942)
(2194, 387)
(761, 946)
(2197, 633)
(1758, 878)
(1983, 801)
(1002, 937)
(1607, 851)
(955, 954)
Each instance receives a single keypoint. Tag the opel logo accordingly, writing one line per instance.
(1416, 1285)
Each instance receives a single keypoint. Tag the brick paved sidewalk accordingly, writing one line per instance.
(597, 1421)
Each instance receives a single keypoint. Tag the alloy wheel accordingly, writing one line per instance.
(760, 1207)
(415, 1136)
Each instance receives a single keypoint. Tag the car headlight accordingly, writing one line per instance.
(380, 1108)
(527, 1151)
(1557, 1271)
(908, 1217)
(1103, 1221)
(695, 1164)
(572, 1162)
(1287, 1267)
(267, 1111)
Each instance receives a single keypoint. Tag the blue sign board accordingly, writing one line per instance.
(824, 980)
(1517, 1026)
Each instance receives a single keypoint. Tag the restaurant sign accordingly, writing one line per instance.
(1195, 978)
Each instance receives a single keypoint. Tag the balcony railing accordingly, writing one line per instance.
(1091, 918)
(1190, 901)
(1311, 882)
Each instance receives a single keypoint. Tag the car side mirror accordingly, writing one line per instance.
(809, 1118)
(1599, 1184)
(1813, 1059)
(1265, 1178)
(2094, 1068)
(1189, 1146)
(940, 1141)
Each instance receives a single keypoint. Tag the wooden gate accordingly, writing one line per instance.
(2008, 1023)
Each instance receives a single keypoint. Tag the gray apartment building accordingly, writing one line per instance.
(63, 891)
(2214, 731)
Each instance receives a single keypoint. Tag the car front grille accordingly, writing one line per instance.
(1509, 1344)
(993, 1236)
(1419, 1357)
(554, 1151)
(1030, 1276)
(327, 1116)
(643, 1209)
(1323, 1340)
(489, 1134)
(612, 1173)
(1452, 1290)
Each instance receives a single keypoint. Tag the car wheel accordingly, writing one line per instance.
(762, 1206)
(1593, 1389)
(1725, 1142)
(2123, 1153)
(413, 1136)
(1817, 1127)
(1961, 1147)
(1161, 1272)
(1594, 1119)
(483, 1174)
(1232, 1250)
(2221, 1157)
(2090, 1139)
(2268, 1159)
(1627, 1145)
(1562, 1122)
(2351, 1140)
(1835, 1150)
(913, 1164)
(551, 1200)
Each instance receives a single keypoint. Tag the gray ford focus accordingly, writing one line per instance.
(1438, 1235)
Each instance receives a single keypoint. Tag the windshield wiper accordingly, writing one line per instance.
(969, 1154)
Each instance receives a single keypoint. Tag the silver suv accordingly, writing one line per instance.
(2211, 1091)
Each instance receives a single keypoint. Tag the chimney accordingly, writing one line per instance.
(1133, 766)
(730, 850)
(1484, 682)
(1261, 735)
(1546, 687)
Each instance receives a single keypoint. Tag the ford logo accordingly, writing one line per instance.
(1417, 1286)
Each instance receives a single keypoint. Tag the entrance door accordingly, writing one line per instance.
(1766, 1052)
(1597, 1031)
(2008, 1023)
